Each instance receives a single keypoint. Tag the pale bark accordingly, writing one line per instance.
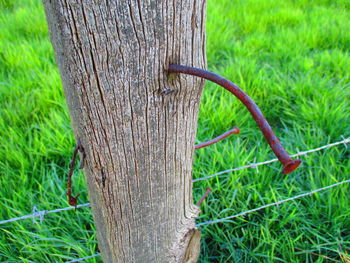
(136, 125)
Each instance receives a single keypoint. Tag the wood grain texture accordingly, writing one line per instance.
(137, 125)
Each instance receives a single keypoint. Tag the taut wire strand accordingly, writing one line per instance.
(42, 213)
(272, 204)
(81, 259)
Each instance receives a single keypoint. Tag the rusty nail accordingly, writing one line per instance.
(82, 162)
(235, 130)
(72, 200)
(204, 196)
(288, 163)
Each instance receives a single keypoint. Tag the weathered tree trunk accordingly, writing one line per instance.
(137, 125)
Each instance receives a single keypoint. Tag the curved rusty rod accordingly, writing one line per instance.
(235, 130)
(288, 163)
(72, 200)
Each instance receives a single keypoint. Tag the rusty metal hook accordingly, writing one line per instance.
(208, 190)
(235, 130)
(72, 200)
(289, 165)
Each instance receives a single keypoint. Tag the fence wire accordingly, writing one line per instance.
(81, 259)
(272, 204)
(41, 214)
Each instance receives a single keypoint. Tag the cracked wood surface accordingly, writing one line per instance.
(136, 125)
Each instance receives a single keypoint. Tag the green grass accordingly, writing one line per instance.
(291, 56)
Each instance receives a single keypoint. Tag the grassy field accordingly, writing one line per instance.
(291, 56)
